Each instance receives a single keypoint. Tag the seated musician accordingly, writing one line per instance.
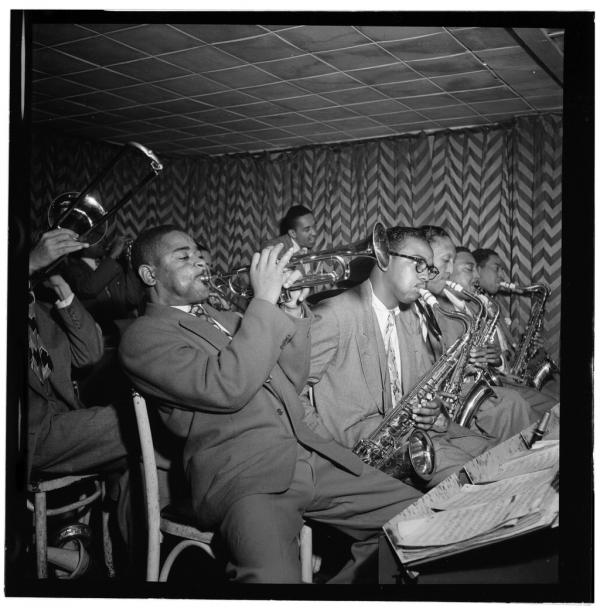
(368, 351)
(65, 436)
(228, 386)
(490, 270)
(505, 411)
(296, 230)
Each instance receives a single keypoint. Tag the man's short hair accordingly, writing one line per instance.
(483, 255)
(462, 249)
(289, 219)
(145, 247)
(434, 232)
(398, 234)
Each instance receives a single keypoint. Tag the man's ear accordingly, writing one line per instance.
(146, 273)
(292, 233)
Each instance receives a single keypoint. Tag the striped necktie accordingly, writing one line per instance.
(198, 311)
(392, 361)
(39, 358)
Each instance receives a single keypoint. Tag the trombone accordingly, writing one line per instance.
(83, 212)
(376, 246)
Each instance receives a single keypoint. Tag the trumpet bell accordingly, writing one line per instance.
(381, 246)
(82, 219)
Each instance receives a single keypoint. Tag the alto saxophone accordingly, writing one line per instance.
(396, 446)
(520, 367)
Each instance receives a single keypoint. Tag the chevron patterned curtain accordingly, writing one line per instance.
(494, 187)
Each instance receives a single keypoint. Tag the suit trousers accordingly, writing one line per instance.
(261, 531)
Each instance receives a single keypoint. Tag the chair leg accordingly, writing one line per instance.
(106, 539)
(184, 544)
(306, 555)
(41, 535)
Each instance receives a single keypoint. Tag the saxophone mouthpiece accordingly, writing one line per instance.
(428, 297)
(508, 286)
(455, 286)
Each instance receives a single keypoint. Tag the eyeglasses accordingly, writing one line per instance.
(421, 265)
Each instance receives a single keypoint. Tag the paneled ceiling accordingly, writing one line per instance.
(209, 89)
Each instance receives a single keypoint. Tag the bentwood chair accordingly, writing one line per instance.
(70, 556)
(176, 521)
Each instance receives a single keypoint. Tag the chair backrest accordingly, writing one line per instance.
(150, 486)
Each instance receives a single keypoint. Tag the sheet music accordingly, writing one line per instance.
(477, 494)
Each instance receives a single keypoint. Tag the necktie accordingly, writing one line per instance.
(39, 358)
(392, 361)
(198, 311)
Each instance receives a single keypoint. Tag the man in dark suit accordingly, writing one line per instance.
(350, 374)
(228, 386)
(296, 230)
(64, 436)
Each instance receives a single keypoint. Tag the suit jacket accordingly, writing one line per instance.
(72, 338)
(234, 403)
(349, 373)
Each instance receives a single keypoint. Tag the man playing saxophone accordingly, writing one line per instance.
(354, 380)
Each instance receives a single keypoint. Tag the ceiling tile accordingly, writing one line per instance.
(173, 122)
(396, 72)
(323, 37)
(373, 108)
(429, 101)
(97, 132)
(306, 102)
(155, 39)
(409, 88)
(138, 126)
(103, 101)
(101, 50)
(443, 66)
(386, 33)
(352, 96)
(215, 115)
(244, 76)
(261, 48)
(231, 138)
(479, 38)
(487, 94)
(513, 57)
(457, 111)
(219, 32)
(355, 122)
(226, 98)
(278, 90)
(374, 131)
(147, 93)
(364, 56)
(296, 67)
(191, 85)
(64, 124)
(205, 130)
(244, 124)
(293, 141)
(260, 108)
(58, 87)
(329, 113)
(103, 28)
(310, 128)
(435, 45)
(102, 78)
(460, 122)
(202, 59)
(327, 137)
(54, 62)
(327, 83)
(398, 118)
(55, 33)
(149, 70)
(269, 133)
(181, 106)
(63, 107)
(527, 81)
(284, 120)
(546, 102)
(138, 112)
(464, 82)
(506, 105)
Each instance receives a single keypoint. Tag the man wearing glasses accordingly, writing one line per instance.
(368, 349)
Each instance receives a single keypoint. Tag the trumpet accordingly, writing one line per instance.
(376, 247)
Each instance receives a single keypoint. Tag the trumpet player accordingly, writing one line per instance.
(368, 350)
(228, 387)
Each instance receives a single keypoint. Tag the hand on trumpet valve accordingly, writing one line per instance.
(268, 273)
(53, 245)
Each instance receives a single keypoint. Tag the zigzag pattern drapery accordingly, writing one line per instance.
(496, 187)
